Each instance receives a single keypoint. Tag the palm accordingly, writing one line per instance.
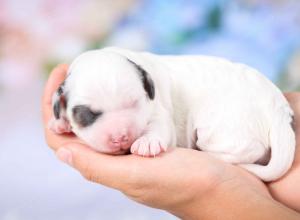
(183, 170)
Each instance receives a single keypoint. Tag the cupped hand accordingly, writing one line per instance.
(178, 181)
(286, 189)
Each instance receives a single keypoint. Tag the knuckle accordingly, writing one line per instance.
(137, 182)
(88, 173)
(88, 176)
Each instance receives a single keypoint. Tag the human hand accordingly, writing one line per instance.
(286, 189)
(181, 181)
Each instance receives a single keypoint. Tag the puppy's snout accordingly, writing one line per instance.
(120, 139)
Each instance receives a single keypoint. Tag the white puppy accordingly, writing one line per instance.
(118, 100)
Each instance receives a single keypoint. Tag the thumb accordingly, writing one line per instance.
(108, 170)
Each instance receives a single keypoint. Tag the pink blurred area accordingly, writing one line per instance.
(34, 36)
(35, 32)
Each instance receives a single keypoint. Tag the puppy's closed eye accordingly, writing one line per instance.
(84, 116)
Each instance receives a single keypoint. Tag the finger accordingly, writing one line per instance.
(292, 95)
(56, 77)
(282, 189)
(294, 101)
(112, 171)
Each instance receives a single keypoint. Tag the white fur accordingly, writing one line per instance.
(227, 109)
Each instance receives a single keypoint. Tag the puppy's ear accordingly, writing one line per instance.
(146, 80)
(59, 102)
(59, 123)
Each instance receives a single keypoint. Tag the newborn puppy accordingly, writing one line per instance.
(118, 100)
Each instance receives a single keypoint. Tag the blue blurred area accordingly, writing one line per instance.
(261, 35)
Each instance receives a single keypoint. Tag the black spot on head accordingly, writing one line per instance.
(84, 116)
(146, 80)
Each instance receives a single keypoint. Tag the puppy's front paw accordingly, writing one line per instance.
(59, 126)
(148, 146)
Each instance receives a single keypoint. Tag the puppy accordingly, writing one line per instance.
(117, 100)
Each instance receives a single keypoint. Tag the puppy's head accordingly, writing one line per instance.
(107, 99)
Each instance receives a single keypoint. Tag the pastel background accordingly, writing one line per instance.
(35, 35)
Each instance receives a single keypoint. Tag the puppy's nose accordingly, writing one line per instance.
(120, 140)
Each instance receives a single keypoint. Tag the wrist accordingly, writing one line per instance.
(202, 195)
(234, 199)
(218, 203)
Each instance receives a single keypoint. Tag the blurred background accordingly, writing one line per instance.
(35, 35)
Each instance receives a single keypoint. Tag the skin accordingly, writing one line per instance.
(187, 183)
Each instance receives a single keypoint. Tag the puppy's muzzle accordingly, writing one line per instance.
(123, 141)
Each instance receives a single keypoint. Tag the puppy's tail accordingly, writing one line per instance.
(282, 142)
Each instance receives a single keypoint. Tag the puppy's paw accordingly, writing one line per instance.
(59, 126)
(148, 146)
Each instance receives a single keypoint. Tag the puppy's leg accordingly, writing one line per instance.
(225, 157)
(159, 134)
(233, 149)
(59, 126)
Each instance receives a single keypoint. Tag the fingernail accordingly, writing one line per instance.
(64, 155)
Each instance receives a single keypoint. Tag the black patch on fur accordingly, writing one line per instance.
(84, 116)
(146, 80)
(56, 109)
(293, 123)
(61, 102)
(60, 91)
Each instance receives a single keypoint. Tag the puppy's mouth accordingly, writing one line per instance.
(120, 152)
